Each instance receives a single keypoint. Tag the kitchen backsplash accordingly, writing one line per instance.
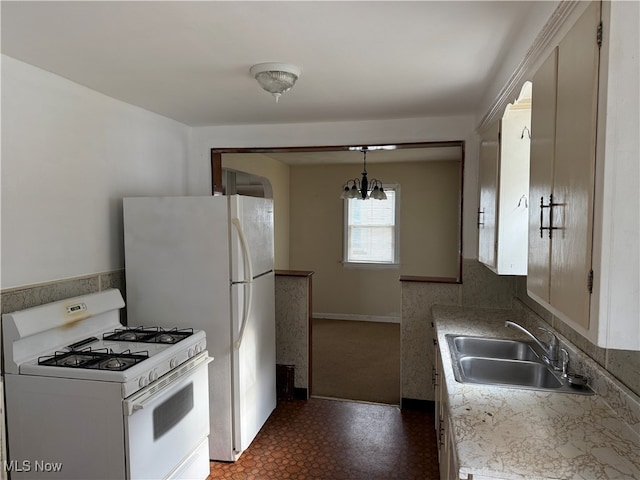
(19, 298)
(622, 364)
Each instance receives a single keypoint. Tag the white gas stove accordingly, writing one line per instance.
(144, 390)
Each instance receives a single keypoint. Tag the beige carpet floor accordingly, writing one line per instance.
(356, 360)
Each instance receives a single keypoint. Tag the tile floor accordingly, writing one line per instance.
(324, 439)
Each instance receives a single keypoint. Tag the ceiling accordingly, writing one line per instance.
(190, 61)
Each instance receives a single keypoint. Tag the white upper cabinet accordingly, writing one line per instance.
(562, 171)
(504, 189)
(615, 305)
(543, 134)
(488, 187)
(573, 190)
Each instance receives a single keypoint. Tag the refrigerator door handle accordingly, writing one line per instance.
(247, 282)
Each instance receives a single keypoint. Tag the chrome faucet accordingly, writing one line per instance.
(550, 349)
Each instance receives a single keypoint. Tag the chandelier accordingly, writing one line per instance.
(363, 188)
(276, 78)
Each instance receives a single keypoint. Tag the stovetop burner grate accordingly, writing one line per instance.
(148, 335)
(102, 359)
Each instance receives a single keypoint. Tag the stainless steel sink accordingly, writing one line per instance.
(508, 372)
(494, 348)
(505, 363)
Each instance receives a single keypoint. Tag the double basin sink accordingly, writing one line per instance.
(505, 363)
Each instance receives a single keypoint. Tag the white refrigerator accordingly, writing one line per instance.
(207, 263)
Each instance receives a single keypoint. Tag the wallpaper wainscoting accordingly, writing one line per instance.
(19, 298)
(480, 288)
(293, 299)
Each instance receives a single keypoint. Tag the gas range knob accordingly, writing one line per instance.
(198, 348)
(153, 376)
(143, 382)
(191, 352)
(173, 363)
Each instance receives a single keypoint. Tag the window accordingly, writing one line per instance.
(371, 229)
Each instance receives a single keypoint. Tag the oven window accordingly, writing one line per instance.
(169, 413)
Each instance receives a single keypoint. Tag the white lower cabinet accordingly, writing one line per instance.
(450, 460)
(446, 446)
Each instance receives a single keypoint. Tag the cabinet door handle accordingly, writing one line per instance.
(550, 206)
(480, 212)
(542, 207)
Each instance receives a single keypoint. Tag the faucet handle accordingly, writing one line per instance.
(565, 362)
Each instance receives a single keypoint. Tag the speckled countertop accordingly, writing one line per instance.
(506, 433)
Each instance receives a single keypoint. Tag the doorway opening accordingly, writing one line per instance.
(307, 183)
(356, 360)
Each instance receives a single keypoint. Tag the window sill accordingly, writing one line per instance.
(371, 266)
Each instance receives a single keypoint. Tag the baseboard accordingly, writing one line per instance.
(421, 405)
(357, 317)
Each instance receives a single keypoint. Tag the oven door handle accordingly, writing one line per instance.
(151, 392)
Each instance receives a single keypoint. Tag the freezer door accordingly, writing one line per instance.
(177, 261)
(254, 365)
(254, 221)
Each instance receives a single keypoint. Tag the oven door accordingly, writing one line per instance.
(166, 423)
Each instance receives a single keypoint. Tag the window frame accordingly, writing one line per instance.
(396, 234)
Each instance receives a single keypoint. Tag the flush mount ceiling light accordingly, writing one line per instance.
(360, 188)
(276, 78)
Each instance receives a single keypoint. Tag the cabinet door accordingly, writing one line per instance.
(488, 184)
(452, 458)
(438, 379)
(543, 134)
(574, 166)
(513, 188)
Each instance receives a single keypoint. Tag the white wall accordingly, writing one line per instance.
(69, 155)
(344, 133)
